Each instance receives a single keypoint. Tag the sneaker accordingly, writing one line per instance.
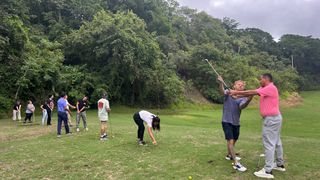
(104, 138)
(87, 129)
(58, 136)
(239, 167)
(78, 129)
(69, 134)
(229, 158)
(263, 174)
(142, 143)
(279, 168)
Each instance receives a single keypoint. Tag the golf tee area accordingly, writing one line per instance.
(191, 145)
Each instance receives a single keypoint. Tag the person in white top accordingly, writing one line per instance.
(103, 111)
(152, 121)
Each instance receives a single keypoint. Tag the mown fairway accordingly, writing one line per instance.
(191, 143)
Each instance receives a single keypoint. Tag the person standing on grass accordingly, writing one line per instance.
(271, 128)
(151, 120)
(82, 105)
(103, 111)
(69, 113)
(29, 112)
(49, 108)
(232, 107)
(16, 114)
(44, 112)
(62, 114)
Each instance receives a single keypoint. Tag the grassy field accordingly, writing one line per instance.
(191, 143)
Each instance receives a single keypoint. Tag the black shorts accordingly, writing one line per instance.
(231, 131)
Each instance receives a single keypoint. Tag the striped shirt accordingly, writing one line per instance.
(269, 100)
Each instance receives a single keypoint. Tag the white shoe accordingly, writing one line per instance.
(87, 129)
(78, 129)
(239, 167)
(263, 174)
(229, 158)
(279, 168)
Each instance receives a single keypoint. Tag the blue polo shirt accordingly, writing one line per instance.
(62, 103)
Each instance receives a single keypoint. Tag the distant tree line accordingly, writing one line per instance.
(143, 52)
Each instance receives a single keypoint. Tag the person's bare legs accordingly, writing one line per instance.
(103, 128)
(230, 144)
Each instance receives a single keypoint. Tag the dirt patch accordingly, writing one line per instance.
(26, 132)
(292, 100)
(193, 95)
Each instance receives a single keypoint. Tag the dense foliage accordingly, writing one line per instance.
(140, 51)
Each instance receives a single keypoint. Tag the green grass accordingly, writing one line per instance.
(189, 139)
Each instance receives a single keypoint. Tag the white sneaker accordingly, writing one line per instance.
(87, 129)
(239, 167)
(263, 174)
(78, 129)
(229, 158)
(279, 168)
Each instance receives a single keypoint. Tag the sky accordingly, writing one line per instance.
(278, 17)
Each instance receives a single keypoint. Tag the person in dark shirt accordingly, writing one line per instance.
(49, 109)
(16, 114)
(82, 105)
(44, 112)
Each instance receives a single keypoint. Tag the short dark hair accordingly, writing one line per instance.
(267, 76)
(63, 94)
(104, 94)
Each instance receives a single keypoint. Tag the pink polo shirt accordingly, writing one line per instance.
(269, 100)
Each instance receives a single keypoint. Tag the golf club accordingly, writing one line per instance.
(216, 73)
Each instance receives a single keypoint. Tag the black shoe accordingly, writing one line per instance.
(104, 138)
(142, 143)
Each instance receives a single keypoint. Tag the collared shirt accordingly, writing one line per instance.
(231, 109)
(269, 100)
(62, 103)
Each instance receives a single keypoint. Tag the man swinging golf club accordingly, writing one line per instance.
(272, 121)
(151, 120)
(232, 107)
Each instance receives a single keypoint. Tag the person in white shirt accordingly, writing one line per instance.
(152, 121)
(103, 111)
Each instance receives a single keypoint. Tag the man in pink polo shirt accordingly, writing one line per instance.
(272, 121)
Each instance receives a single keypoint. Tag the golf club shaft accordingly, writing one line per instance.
(216, 72)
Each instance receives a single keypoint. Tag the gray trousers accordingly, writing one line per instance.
(82, 115)
(271, 141)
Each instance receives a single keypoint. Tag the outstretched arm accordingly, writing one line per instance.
(244, 93)
(152, 136)
(221, 86)
(244, 105)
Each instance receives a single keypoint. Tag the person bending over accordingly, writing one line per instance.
(232, 107)
(152, 121)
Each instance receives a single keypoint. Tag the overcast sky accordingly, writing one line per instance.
(277, 17)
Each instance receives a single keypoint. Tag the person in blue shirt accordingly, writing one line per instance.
(62, 106)
(232, 107)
